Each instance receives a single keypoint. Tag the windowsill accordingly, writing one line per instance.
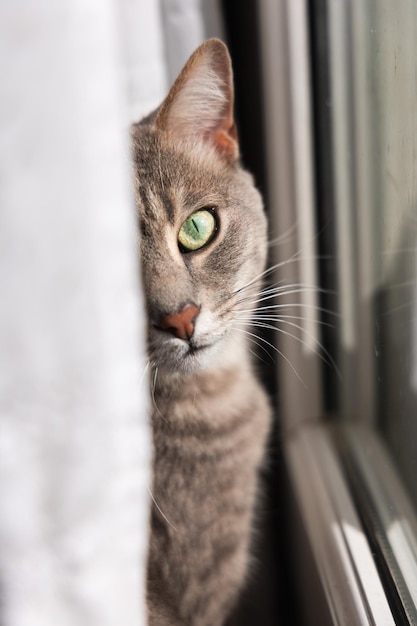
(340, 548)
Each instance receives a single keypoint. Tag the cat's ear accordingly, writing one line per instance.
(199, 105)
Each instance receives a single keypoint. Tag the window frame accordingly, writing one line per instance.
(329, 470)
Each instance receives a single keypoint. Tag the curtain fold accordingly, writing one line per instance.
(143, 56)
(74, 440)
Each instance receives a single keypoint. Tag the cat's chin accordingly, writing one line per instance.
(179, 357)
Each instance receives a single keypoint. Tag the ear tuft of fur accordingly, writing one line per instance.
(199, 105)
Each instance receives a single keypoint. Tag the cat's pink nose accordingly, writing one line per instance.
(181, 324)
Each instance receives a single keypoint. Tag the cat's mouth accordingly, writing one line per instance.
(176, 355)
(193, 349)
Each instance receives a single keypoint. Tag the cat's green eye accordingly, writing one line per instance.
(197, 230)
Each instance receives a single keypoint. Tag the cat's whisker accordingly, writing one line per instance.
(315, 349)
(161, 176)
(256, 356)
(275, 289)
(328, 360)
(286, 318)
(284, 291)
(275, 292)
(154, 378)
(296, 257)
(266, 272)
(285, 236)
(284, 287)
(280, 306)
(247, 332)
(258, 345)
(258, 296)
(279, 317)
(281, 284)
(153, 387)
(295, 337)
(161, 511)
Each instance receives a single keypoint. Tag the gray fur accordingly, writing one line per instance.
(210, 415)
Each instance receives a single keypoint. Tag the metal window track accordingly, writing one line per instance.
(346, 567)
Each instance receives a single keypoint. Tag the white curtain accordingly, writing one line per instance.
(74, 438)
(74, 441)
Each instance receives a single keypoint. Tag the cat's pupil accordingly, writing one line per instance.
(197, 231)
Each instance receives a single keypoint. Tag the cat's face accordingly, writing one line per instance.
(202, 223)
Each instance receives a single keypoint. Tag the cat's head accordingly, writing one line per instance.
(203, 230)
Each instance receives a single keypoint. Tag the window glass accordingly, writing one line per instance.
(388, 31)
(393, 62)
(364, 78)
(365, 102)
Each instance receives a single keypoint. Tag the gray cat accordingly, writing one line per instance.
(203, 250)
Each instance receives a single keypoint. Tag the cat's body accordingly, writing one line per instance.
(210, 416)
